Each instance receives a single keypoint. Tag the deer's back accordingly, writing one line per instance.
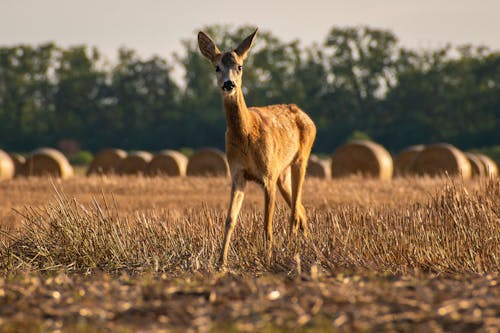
(287, 122)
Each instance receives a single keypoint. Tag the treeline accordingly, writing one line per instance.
(359, 83)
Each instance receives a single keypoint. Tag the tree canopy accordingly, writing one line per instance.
(359, 81)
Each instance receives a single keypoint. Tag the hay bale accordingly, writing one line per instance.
(478, 169)
(168, 162)
(208, 162)
(7, 167)
(19, 161)
(362, 157)
(405, 158)
(47, 162)
(441, 158)
(135, 163)
(318, 168)
(490, 167)
(106, 161)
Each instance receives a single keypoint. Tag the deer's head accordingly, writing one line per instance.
(228, 66)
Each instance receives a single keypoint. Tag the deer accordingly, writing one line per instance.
(269, 145)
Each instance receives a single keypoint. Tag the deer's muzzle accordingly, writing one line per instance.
(228, 86)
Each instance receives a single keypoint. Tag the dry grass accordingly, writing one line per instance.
(457, 231)
(144, 194)
(126, 253)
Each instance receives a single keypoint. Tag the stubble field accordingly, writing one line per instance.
(140, 254)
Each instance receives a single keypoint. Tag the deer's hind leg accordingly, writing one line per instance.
(285, 186)
(298, 216)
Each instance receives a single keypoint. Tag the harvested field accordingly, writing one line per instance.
(236, 303)
(140, 253)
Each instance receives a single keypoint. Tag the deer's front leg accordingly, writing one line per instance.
(269, 196)
(237, 195)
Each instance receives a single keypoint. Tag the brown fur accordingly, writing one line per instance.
(270, 145)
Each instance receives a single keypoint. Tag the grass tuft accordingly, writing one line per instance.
(456, 231)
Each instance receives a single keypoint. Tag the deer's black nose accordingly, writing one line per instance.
(228, 85)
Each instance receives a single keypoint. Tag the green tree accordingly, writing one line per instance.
(357, 67)
(360, 79)
(144, 102)
(78, 93)
(362, 63)
(26, 95)
(444, 95)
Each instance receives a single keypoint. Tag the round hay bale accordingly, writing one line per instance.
(405, 158)
(441, 158)
(362, 157)
(19, 161)
(168, 162)
(7, 167)
(106, 161)
(490, 167)
(135, 163)
(478, 169)
(208, 162)
(318, 168)
(47, 162)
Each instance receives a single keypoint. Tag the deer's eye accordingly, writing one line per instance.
(217, 68)
(240, 67)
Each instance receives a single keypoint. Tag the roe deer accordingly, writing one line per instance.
(269, 145)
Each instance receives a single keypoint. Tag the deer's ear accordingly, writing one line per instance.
(244, 47)
(207, 46)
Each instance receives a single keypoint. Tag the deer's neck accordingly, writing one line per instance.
(237, 114)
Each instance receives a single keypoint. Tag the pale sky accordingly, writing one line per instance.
(157, 27)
